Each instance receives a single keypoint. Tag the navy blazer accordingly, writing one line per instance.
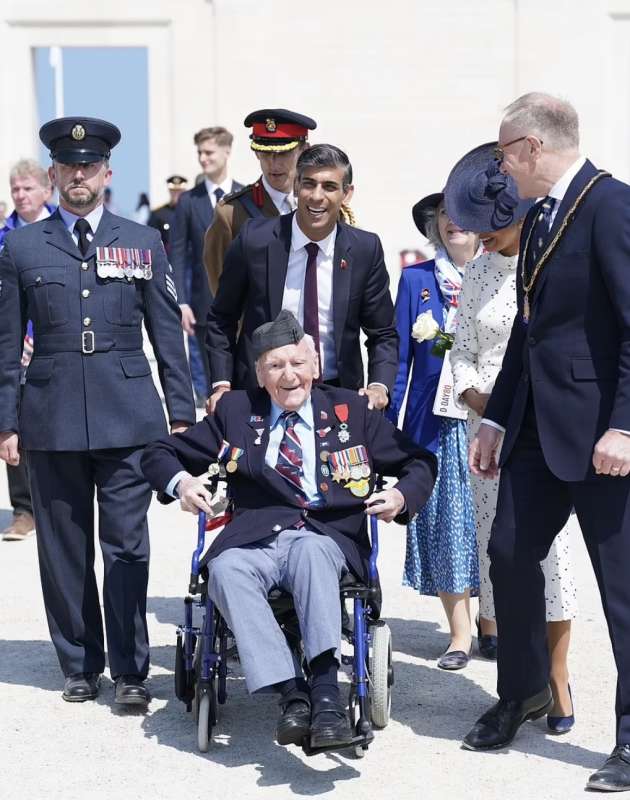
(74, 400)
(193, 216)
(420, 423)
(574, 355)
(252, 286)
(266, 503)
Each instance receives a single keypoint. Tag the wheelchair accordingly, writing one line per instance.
(204, 649)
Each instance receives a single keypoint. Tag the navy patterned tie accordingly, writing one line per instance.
(290, 462)
(540, 232)
(218, 193)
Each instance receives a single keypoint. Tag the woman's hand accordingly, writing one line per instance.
(475, 400)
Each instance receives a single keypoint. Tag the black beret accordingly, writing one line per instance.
(284, 329)
(79, 140)
(419, 211)
(176, 181)
(277, 129)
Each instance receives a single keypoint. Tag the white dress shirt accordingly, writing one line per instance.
(43, 214)
(285, 203)
(293, 297)
(211, 187)
(94, 218)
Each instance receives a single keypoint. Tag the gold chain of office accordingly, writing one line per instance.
(529, 285)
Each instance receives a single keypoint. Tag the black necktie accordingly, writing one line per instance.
(82, 228)
(542, 226)
(218, 193)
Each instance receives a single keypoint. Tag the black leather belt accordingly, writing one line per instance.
(87, 342)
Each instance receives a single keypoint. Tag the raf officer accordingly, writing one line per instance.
(87, 279)
(300, 515)
(278, 138)
(162, 218)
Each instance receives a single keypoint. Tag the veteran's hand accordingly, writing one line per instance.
(179, 427)
(214, 398)
(188, 319)
(376, 395)
(611, 455)
(387, 505)
(193, 495)
(9, 448)
(482, 455)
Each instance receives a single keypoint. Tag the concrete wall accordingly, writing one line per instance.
(406, 87)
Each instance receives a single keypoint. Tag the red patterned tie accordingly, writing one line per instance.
(311, 301)
(289, 463)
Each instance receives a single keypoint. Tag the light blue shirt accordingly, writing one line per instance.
(305, 430)
(94, 217)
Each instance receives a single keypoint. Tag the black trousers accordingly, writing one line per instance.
(63, 486)
(533, 506)
(19, 487)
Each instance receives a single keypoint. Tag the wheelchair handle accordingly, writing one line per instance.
(372, 570)
(201, 543)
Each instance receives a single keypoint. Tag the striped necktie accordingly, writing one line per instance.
(290, 463)
(542, 226)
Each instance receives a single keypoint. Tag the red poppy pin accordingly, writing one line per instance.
(343, 264)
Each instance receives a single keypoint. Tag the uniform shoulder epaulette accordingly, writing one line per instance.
(227, 198)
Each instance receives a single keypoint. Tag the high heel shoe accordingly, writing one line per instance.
(487, 643)
(560, 725)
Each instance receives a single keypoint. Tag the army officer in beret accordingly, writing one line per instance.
(88, 279)
(300, 461)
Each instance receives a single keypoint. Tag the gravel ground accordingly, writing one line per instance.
(51, 749)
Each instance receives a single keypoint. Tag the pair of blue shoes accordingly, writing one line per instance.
(560, 725)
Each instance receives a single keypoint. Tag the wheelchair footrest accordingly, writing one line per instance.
(357, 741)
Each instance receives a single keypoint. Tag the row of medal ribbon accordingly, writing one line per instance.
(349, 464)
(123, 262)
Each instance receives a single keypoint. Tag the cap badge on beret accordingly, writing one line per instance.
(270, 125)
(78, 133)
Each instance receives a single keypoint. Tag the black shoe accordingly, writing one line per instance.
(294, 722)
(454, 659)
(81, 687)
(499, 725)
(131, 691)
(330, 726)
(614, 776)
(488, 646)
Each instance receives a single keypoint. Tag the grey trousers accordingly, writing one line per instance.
(309, 565)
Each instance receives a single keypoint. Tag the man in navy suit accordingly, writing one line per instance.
(88, 279)
(193, 215)
(300, 462)
(563, 399)
(330, 275)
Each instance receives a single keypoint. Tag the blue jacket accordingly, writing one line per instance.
(414, 357)
(264, 501)
(574, 355)
(89, 384)
(10, 223)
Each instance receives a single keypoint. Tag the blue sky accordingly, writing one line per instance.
(110, 83)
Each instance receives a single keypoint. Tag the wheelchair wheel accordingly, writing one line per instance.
(381, 675)
(205, 720)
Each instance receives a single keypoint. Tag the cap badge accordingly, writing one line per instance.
(78, 133)
(270, 125)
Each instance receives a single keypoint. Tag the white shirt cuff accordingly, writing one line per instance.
(376, 383)
(172, 484)
(492, 424)
(216, 384)
(620, 430)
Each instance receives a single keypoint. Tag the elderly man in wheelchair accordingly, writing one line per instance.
(300, 459)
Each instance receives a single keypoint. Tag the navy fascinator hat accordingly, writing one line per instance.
(478, 197)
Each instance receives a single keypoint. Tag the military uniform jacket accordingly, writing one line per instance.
(89, 385)
(266, 503)
(163, 219)
(230, 215)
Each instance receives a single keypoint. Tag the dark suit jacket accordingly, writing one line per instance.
(264, 501)
(574, 355)
(252, 286)
(74, 400)
(193, 215)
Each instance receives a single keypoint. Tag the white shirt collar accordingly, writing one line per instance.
(226, 185)
(559, 189)
(299, 239)
(305, 412)
(94, 218)
(278, 198)
(43, 214)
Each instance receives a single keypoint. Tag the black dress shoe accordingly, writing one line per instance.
(498, 726)
(488, 646)
(294, 722)
(330, 726)
(131, 691)
(81, 687)
(614, 776)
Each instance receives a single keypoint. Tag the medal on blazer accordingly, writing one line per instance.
(358, 488)
(341, 412)
(235, 454)
(124, 262)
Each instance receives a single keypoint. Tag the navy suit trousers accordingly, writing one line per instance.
(63, 485)
(533, 506)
